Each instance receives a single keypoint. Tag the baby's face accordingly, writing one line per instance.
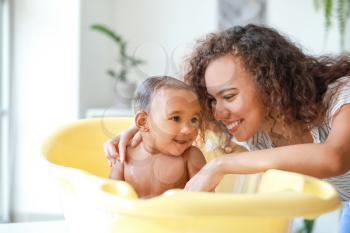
(174, 120)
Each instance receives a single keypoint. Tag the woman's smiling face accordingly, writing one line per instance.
(234, 97)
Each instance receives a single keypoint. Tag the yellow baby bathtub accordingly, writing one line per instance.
(93, 203)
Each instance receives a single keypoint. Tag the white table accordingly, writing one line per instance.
(35, 227)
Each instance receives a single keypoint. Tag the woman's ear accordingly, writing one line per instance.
(141, 121)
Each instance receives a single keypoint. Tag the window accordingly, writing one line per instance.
(4, 119)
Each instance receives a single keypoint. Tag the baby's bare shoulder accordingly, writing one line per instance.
(193, 153)
(134, 152)
(195, 160)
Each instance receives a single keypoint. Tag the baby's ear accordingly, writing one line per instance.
(141, 121)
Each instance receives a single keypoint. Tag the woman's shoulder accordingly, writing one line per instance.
(345, 80)
(338, 94)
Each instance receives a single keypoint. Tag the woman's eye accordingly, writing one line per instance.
(228, 97)
(175, 118)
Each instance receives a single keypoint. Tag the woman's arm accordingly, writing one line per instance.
(331, 158)
(115, 148)
(319, 160)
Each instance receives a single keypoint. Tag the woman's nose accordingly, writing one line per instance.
(220, 112)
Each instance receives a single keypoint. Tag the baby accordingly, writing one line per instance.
(168, 116)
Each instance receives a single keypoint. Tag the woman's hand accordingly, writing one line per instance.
(115, 148)
(207, 178)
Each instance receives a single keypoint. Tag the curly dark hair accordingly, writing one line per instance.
(292, 84)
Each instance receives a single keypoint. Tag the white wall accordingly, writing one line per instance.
(96, 55)
(163, 31)
(45, 95)
(4, 106)
(159, 31)
(305, 25)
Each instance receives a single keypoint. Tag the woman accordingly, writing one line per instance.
(290, 110)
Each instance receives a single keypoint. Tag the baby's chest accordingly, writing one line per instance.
(156, 171)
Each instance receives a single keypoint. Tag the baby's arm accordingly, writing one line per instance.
(195, 161)
(117, 172)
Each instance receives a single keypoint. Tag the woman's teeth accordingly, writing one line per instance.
(233, 124)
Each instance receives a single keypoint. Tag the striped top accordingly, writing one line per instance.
(340, 91)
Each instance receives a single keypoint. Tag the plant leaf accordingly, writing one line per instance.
(122, 75)
(125, 61)
(111, 73)
(328, 7)
(317, 4)
(341, 14)
(309, 225)
(105, 30)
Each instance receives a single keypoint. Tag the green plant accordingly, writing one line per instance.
(308, 226)
(342, 10)
(126, 61)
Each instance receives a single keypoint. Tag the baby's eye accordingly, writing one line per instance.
(175, 118)
(194, 120)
